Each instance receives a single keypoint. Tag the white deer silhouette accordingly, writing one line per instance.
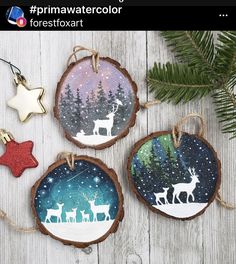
(106, 123)
(98, 209)
(71, 216)
(162, 195)
(54, 212)
(186, 187)
(85, 217)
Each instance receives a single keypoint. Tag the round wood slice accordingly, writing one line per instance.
(176, 182)
(96, 109)
(78, 207)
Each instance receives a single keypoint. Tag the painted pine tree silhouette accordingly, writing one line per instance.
(78, 114)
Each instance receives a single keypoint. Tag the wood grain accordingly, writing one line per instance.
(142, 237)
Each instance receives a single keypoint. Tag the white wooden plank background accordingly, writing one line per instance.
(143, 237)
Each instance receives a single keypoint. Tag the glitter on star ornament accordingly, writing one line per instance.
(18, 156)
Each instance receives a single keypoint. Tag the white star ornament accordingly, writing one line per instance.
(27, 102)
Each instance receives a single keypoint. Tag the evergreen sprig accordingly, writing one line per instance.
(203, 68)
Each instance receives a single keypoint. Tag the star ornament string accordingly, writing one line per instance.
(27, 101)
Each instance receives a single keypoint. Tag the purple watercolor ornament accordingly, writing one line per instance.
(96, 107)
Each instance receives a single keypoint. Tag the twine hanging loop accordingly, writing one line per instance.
(177, 129)
(69, 157)
(223, 203)
(95, 56)
(148, 104)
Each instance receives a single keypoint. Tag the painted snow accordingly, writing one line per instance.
(181, 210)
(88, 140)
(78, 205)
(79, 232)
(178, 182)
(95, 104)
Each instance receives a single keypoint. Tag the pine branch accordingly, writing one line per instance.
(196, 48)
(177, 83)
(225, 66)
(202, 72)
(225, 101)
(225, 60)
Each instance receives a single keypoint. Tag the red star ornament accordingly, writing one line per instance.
(18, 157)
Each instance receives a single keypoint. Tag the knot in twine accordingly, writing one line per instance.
(177, 129)
(95, 56)
(69, 157)
(17, 228)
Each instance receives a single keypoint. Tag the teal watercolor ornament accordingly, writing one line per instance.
(78, 201)
(175, 173)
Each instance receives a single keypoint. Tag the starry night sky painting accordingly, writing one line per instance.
(78, 205)
(95, 107)
(177, 181)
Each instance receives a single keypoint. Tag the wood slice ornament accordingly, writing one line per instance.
(96, 101)
(175, 173)
(78, 201)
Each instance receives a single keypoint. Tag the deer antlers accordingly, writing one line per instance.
(113, 109)
(118, 102)
(94, 197)
(85, 197)
(192, 171)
